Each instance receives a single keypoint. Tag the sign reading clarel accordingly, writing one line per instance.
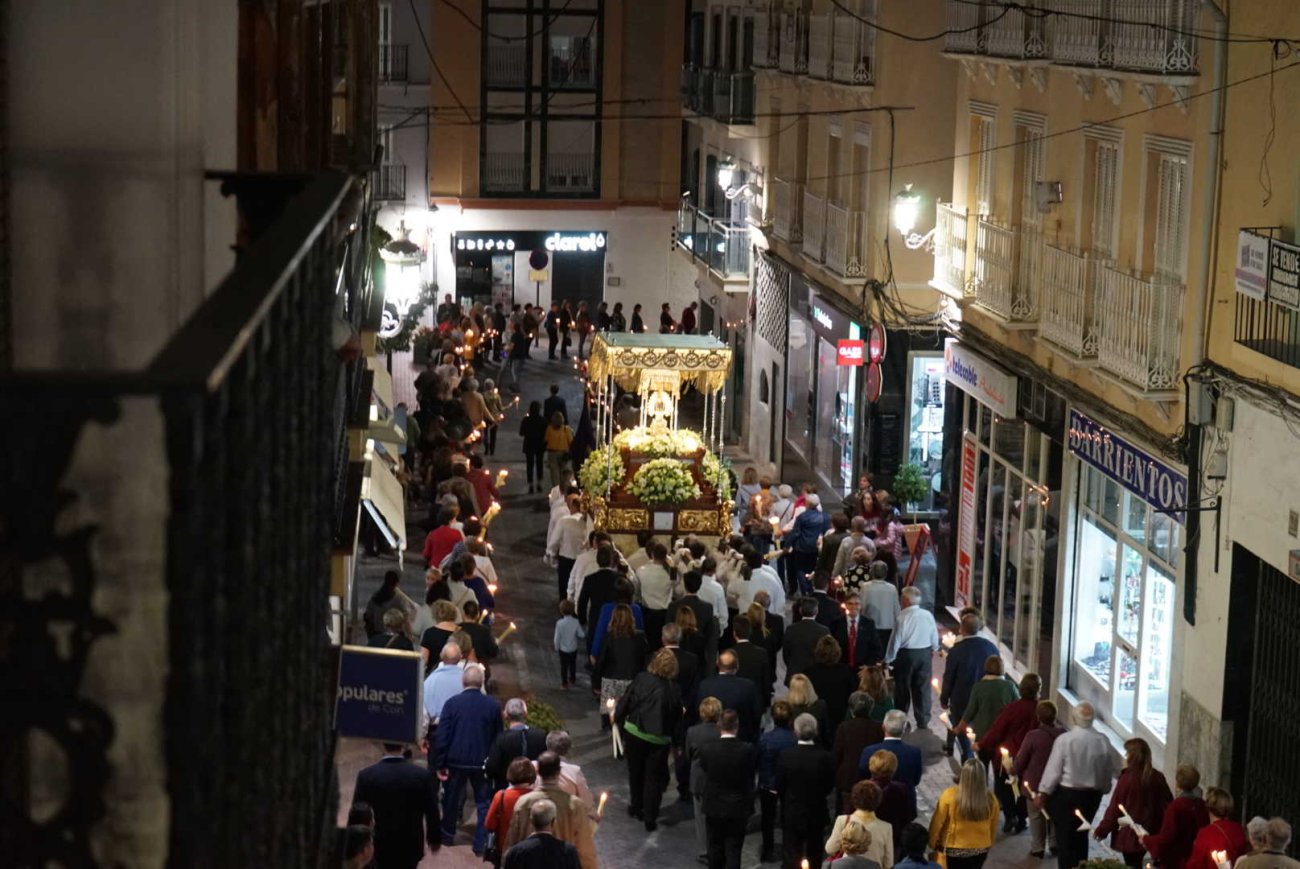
(575, 241)
(379, 694)
(1150, 479)
(592, 241)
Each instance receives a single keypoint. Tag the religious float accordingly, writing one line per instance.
(647, 473)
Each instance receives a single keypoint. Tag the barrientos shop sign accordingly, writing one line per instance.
(1137, 471)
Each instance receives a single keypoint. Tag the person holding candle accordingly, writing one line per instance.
(649, 713)
(1006, 732)
(1183, 818)
(965, 822)
(468, 726)
(1077, 775)
(1222, 834)
(962, 670)
(1140, 799)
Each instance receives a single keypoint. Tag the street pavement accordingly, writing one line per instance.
(529, 666)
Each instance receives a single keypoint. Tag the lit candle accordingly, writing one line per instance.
(492, 587)
(970, 734)
(1084, 826)
(1006, 763)
(501, 477)
(600, 809)
(491, 513)
(947, 722)
(803, 864)
(507, 632)
(484, 615)
(934, 683)
(1220, 859)
(1123, 811)
(1033, 796)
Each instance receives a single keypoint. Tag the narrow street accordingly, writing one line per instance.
(528, 666)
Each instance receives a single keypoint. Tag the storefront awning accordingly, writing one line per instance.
(383, 498)
(383, 427)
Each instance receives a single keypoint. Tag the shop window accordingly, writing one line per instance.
(1124, 607)
(925, 420)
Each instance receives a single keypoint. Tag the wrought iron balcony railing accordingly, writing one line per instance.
(571, 173)
(506, 65)
(950, 234)
(390, 182)
(787, 210)
(392, 63)
(1069, 301)
(1139, 328)
(503, 173)
(720, 244)
(845, 244)
(814, 226)
(1007, 263)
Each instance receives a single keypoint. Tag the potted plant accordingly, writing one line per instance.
(910, 486)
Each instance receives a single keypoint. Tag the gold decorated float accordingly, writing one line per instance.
(654, 475)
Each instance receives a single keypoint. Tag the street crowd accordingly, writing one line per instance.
(770, 677)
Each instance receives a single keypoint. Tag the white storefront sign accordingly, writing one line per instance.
(988, 383)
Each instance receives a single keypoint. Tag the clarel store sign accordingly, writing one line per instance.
(580, 241)
(379, 694)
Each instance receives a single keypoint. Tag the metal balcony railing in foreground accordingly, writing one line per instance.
(1268, 328)
(182, 516)
(721, 244)
(1069, 294)
(1139, 328)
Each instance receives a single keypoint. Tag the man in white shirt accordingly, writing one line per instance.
(712, 593)
(641, 557)
(1076, 777)
(880, 601)
(558, 499)
(911, 649)
(566, 541)
(761, 578)
(857, 537)
(655, 589)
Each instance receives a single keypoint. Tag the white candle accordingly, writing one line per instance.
(1006, 761)
(600, 809)
(508, 631)
(934, 683)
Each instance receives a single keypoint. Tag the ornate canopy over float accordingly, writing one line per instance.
(647, 474)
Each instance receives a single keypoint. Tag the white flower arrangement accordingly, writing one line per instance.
(664, 481)
(602, 469)
(659, 444)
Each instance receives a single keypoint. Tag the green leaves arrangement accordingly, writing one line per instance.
(715, 471)
(602, 469)
(664, 481)
(909, 485)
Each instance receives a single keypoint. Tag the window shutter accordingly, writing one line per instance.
(1105, 172)
(1171, 217)
(984, 166)
(1033, 145)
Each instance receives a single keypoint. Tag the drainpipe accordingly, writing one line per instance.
(1200, 313)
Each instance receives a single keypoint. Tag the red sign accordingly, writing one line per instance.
(918, 552)
(876, 342)
(849, 351)
(874, 382)
(966, 524)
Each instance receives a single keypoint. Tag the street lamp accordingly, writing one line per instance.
(726, 174)
(907, 210)
(402, 259)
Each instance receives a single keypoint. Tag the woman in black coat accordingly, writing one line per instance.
(833, 681)
(649, 714)
(622, 656)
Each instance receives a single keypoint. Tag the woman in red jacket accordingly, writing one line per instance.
(1183, 819)
(1007, 731)
(1144, 794)
(1221, 834)
(521, 774)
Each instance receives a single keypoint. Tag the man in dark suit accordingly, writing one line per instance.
(703, 610)
(829, 612)
(597, 590)
(518, 740)
(542, 850)
(859, 640)
(752, 660)
(688, 665)
(406, 814)
(805, 777)
(909, 756)
(801, 639)
(963, 668)
(729, 765)
(485, 645)
(735, 693)
(554, 404)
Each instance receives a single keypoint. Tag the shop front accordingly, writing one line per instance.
(1122, 576)
(823, 363)
(496, 266)
(1007, 493)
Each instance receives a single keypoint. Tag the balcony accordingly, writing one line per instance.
(792, 54)
(814, 226)
(571, 173)
(1069, 295)
(1139, 328)
(787, 207)
(1140, 36)
(572, 62)
(503, 173)
(506, 66)
(845, 245)
(1007, 263)
(392, 63)
(390, 182)
(1268, 328)
(767, 41)
(723, 246)
(950, 233)
(733, 97)
(840, 49)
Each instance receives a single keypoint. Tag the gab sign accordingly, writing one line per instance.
(849, 351)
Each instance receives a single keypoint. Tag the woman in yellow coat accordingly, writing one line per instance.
(965, 822)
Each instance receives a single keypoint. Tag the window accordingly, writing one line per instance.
(1169, 249)
(983, 140)
(1124, 573)
(1101, 188)
(1031, 157)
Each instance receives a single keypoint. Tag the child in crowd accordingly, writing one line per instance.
(912, 846)
(567, 634)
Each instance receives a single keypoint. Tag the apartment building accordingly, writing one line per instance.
(1079, 240)
(796, 116)
(554, 130)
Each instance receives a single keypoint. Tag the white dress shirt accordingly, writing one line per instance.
(1080, 758)
(655, 586)
(880, 601)
(711, 592)
(915, 630)
(764, 579)
(845, 556)
(636, 561)
(584, 566)
(569, 536)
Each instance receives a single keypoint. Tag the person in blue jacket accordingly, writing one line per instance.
(468, 727)
(802, 539)
(963, 669)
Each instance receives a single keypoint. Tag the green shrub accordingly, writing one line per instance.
(542, 715)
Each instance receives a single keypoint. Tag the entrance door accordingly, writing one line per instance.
(579, 277)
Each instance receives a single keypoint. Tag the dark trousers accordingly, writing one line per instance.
(803, 563)
(490, 440)
(801, 842)
(726, 839)
(478, 782)
(654, 627)
(430, 733)
(912, 683)
(647, 774)
(552, 341)
(562, 571)
(1013, 809)
(568, 667)
(533, 464)
(975, 862)
(682, 773)
(1071, 844)
(767, 802)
